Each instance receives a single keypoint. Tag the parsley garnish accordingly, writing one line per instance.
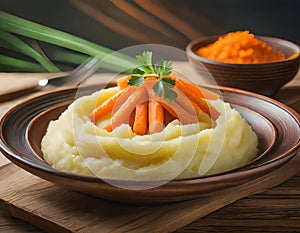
(163, 68)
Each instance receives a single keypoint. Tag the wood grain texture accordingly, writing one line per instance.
(55, 209)
(231, 218)
(15, 85)
(13, 225)
(274, 210)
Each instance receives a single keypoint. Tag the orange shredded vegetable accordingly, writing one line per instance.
(240, 47)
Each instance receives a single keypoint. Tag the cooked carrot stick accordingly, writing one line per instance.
(131, 118)
(123, 81)
(174, 108)
(140, 124)
(125, 106)
(166, 106)
(196, 107)
(202, 103)
(208, 109)
(149, 78)
(143, 110)
(108, 127)
(185, 117)
(184, 101)
(155, 117)
(168, 117)
(197, 91)
(106, 107)
(152, 96)
(179, 83)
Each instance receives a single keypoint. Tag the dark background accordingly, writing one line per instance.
(278, 18)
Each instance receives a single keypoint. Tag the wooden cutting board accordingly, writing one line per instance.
(54, 209)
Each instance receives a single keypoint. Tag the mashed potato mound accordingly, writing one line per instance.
(75, 144)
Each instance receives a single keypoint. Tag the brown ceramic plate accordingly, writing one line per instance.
(276, 125)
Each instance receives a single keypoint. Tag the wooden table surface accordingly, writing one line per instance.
(274, 210)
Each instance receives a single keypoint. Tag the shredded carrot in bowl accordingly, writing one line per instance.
(240, 47)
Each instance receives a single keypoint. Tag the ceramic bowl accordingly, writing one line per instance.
(263, 78)
(277, 126)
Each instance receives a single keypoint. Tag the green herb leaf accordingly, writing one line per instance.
(158, 88)
(169, 81)
(146, 60)
(164, 68)
(136, 80)
(138, 71)
(164, 87)
(170, 95)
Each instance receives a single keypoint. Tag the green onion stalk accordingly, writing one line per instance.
(13, 27)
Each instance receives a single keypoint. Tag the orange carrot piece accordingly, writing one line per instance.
(185, 117)
(208, 109)
(141, 119)
(175, 109)
(166, 106)
(131, 118)
(168, 117)
(149, 78)
(123, 81)
(196, 107)
(197, 91)
(106, 107)
(201, 102)
(108, 127)
(184, 101)
(127, 104)
(152, 96)
(155, 117)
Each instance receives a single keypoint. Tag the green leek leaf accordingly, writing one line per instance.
(16, 25)
(18, 63)
(27, 50)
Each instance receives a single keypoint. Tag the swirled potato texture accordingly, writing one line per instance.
(74, 144)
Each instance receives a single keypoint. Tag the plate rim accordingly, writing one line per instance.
(10, 153)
